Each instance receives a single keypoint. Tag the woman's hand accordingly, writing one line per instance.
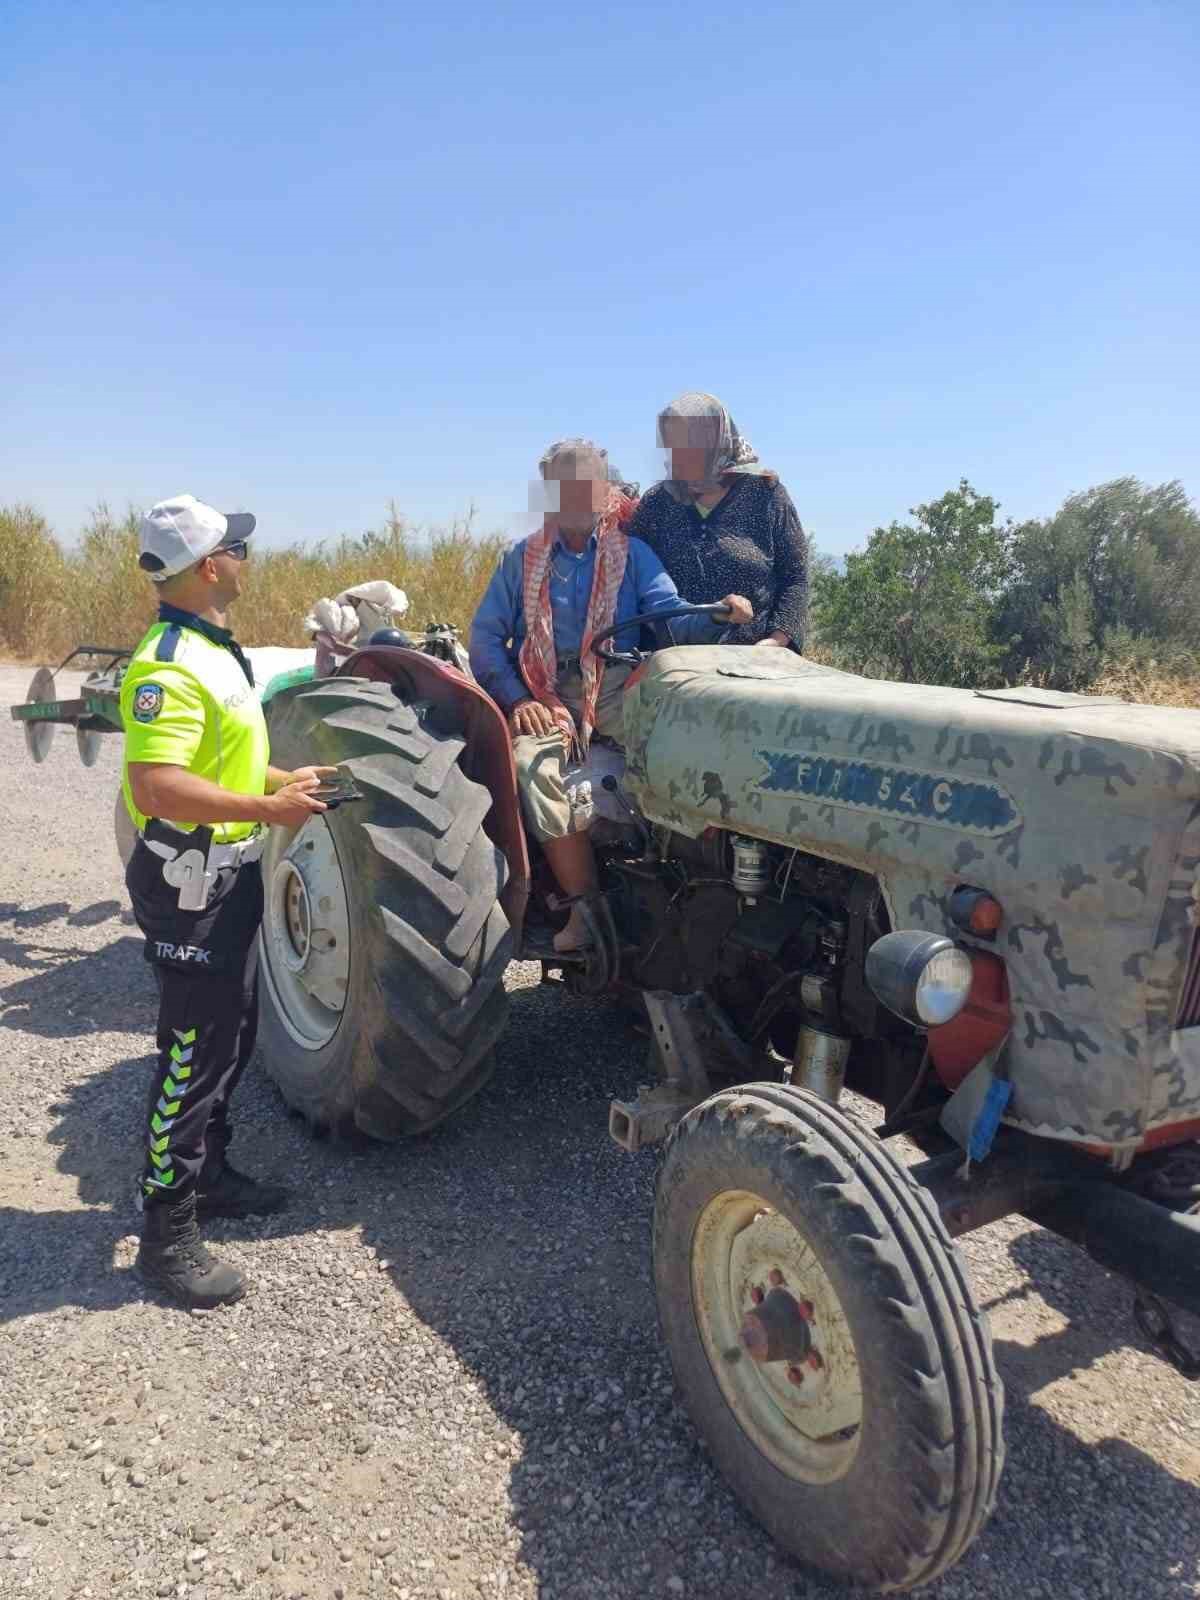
(739, 608)
(778, 638)
(532, 717)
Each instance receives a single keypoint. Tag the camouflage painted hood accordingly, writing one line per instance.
(1081, 815)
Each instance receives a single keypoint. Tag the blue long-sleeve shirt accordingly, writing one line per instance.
(498, 631)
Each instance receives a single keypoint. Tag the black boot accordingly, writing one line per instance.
(224, 1192)
(173, 1259)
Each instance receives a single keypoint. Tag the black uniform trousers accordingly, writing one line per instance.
(206, 965)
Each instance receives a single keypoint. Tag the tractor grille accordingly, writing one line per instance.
(1189, 1003)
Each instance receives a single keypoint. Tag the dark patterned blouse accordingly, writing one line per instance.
(751, 543)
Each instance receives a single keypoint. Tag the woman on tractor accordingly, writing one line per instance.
(531, 648)
(720, 520)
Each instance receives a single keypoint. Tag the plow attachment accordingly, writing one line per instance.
(94, 711)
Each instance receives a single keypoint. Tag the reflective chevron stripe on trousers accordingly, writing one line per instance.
(206, 966)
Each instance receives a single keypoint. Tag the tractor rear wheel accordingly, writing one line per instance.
(383, 942)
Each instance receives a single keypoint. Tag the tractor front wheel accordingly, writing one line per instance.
(825, 1337)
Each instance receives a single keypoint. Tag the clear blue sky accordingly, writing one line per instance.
(302, 256)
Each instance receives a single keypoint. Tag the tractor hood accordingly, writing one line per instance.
(1081, 815)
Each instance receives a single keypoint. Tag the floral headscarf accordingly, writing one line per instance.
(730, 454)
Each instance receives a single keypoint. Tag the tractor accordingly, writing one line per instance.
(979, 911)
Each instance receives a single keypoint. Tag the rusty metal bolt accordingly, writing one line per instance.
(774, 1277)
(795, 1375)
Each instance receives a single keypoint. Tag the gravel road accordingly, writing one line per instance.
(447, 1379)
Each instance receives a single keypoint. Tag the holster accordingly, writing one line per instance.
(185, 860)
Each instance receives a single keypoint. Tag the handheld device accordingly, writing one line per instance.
(337, 790)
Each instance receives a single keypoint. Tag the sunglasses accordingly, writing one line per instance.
(236, 548)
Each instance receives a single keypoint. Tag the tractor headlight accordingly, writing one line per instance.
(923, 977)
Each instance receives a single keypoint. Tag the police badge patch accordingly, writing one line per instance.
(147, 701)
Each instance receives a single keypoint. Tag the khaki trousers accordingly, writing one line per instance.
(545, 772)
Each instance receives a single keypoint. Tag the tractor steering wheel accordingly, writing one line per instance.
(634, 657)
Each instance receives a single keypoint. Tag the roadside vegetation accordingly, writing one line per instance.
(53, 595)
(1102, 596)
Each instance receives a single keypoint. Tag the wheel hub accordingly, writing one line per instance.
(779, 1327)
(306, 932)
(777, 1337)
(297, 914)
(778, 1332)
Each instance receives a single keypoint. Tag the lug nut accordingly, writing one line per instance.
(795, 1375)
(774, 1277)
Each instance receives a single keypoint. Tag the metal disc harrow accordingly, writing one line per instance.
(95, 711)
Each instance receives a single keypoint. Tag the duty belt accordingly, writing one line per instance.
(237, 854)
(191, 864)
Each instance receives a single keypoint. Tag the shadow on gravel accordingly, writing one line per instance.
(38, 1004)
(50, 1258)
(54, 910)
(1100, 1495)
(533, 1264)
(519, 1235)
(1098, 1306)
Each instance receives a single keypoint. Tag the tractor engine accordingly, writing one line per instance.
(776, 936)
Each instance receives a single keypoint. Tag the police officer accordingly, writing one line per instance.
(201, 794)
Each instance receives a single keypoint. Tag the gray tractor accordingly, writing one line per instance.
(977, 910)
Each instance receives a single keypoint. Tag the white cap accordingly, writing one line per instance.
(177, 533)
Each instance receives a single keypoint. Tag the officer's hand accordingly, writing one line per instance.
(531, 716)
(291, 806)
(301, 773)
(739, 608)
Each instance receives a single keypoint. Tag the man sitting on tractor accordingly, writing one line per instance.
(531, 648)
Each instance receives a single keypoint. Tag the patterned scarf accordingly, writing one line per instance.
(538, 659)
